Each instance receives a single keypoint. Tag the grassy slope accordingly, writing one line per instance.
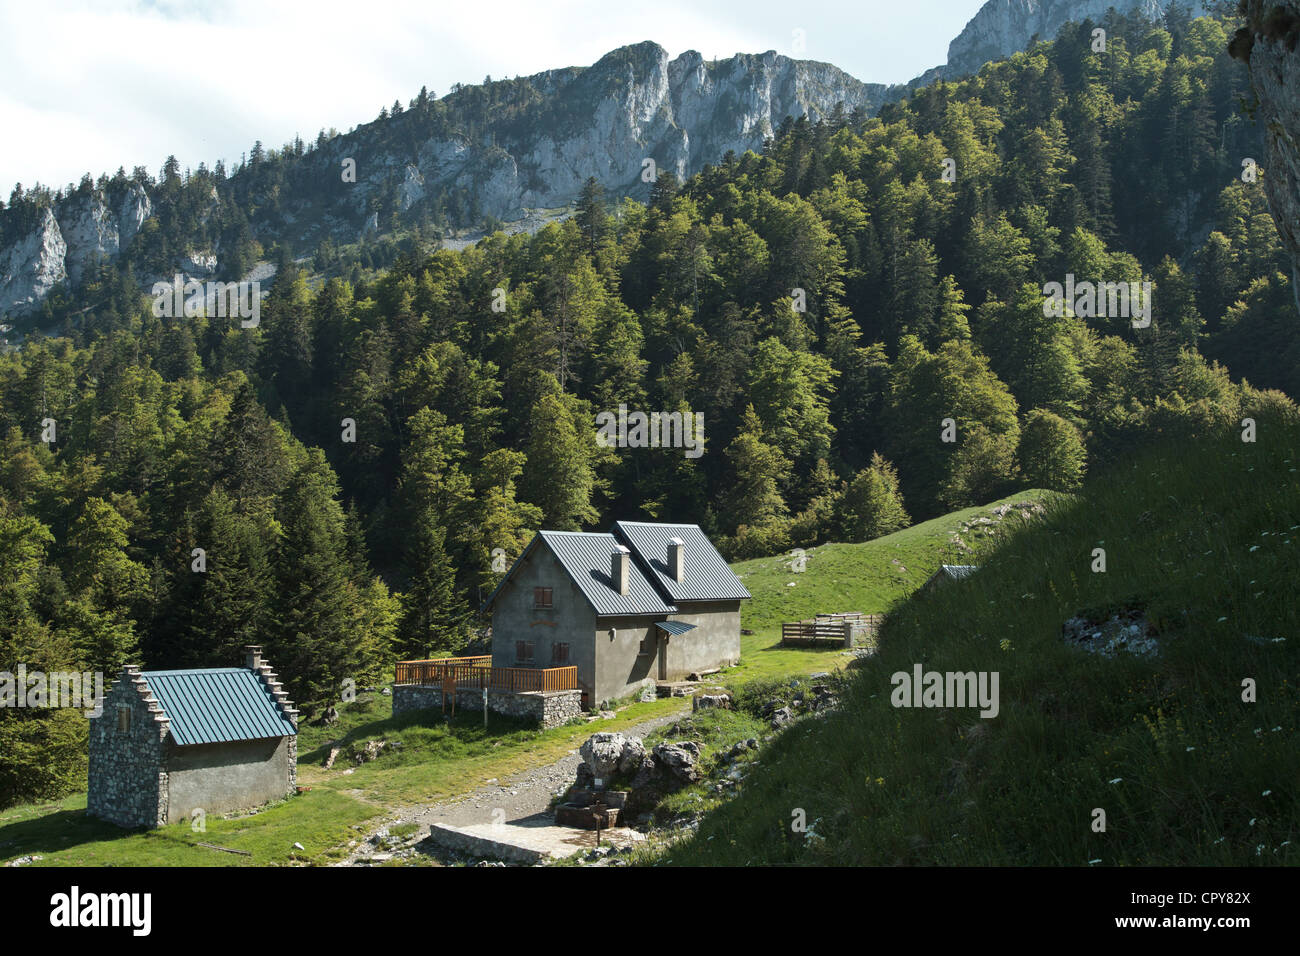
(1206, 534)
(870, 577)
(439, 761)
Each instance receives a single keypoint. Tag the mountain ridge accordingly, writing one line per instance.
(493, 151)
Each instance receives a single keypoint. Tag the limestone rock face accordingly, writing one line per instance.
(523, 161)
(1004, 27)
(90, 232)
(132, 212)
(1272, 52)
(32, 266)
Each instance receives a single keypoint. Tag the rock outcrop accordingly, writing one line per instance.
(1004, 27)
(1269, 43)
(523, 160)
(32, 266)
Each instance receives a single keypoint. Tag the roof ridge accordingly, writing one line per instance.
(662, 524)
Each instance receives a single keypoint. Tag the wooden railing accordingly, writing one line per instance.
(836, 630)
(438, 669)
(478, 672)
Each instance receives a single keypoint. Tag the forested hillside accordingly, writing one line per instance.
(349, 466)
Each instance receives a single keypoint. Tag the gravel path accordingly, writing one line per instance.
(524, 795)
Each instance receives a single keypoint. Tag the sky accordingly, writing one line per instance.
(91, 85)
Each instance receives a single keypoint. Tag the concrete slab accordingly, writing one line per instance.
(526, 843)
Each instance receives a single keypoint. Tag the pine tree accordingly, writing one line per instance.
(872, 504)
(1051, 453)
(758, 471)
(558, 476)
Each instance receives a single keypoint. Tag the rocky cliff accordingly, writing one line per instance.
(503, 150)
(1268, 44)
(1004, 27)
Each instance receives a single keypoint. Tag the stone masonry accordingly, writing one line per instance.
(127, 780)
(131, 752)
(548, 709)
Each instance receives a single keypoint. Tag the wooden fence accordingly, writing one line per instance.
(830, 630)
(478, 672)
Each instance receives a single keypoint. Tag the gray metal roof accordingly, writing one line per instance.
(217, 705)
(675, 627)
(586, 556)
(708, 577)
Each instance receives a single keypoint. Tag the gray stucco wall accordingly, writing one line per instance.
(715, 642)
(620, 667)
(571, 619)
(218, 778)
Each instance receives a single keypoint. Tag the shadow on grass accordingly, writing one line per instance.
(52, 832)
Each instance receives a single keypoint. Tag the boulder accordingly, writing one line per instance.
(678, 761)
(607, 754)
(632, 757)
(781, 717)
(601, 754)
(705, 701)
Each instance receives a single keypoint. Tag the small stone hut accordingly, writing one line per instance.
(168, 743)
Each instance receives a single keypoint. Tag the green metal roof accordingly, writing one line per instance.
(217, 705)
(675, 627)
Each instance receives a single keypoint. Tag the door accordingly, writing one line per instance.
(662, 641)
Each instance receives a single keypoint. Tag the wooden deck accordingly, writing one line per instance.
(478, 672)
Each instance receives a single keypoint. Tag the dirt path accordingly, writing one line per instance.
(524, 795)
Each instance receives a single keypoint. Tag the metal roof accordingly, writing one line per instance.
(586, 556)
(708, 577)
(675, 627)
(217, 705)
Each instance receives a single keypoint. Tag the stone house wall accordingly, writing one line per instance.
(139, 777)
(127, 777)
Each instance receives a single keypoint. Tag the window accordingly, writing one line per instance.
(123, 719)
(523, 652)
(647, 645)
(559, 653)
(541, 597)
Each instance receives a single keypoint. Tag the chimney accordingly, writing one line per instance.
(618, 568)
(252, 656)
(677, 559)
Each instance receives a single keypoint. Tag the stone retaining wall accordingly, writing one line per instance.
(548, 709)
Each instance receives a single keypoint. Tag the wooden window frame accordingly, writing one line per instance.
(543, 598)
(560, 654)
(525, 651)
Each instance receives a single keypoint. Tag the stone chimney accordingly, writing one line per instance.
(253, 656)
(677, 559)
(619, 563)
